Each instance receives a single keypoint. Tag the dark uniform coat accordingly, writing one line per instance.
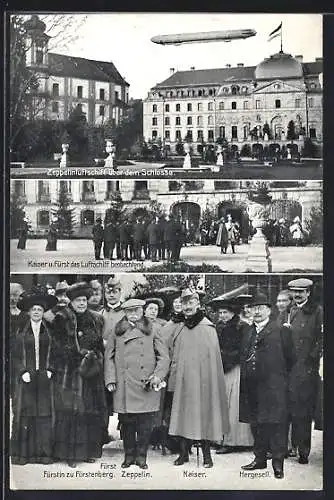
(264, 383)
(97, 233)
(110, 234)
(153, 232)
(306, 328)
(133, 353)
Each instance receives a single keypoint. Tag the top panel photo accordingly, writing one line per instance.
(163, 95)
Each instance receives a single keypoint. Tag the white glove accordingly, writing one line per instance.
(111, 387)
(26, 377)
(48, 373)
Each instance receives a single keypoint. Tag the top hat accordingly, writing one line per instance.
(81, 289)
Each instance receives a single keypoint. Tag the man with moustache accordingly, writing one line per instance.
(136, 362)
(267, 356)
(112, 312)
(199, 404)
(306, 323)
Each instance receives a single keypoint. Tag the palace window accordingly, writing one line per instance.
(199, 135)
(234, 105)
(221, 105)
(101, 110)
(178, 107)
(154, 134)
(313, 133)
(189, 135)
(222, 132)
(167, 134)
(154, 108)
(297, 103)
(189, 120)
(210, 135)
(154, 121)
(178, 134)
(210, 120)
(311, 102)
(234, 132)
(199, 106)
(258, 118)
(200, 121)
(245, 104)
(210, 106)
(55, 90)
(167, 121)
(55, 107)
(102, 96)
(210, 92)
(200, 93)
(277, 103)
(258, 104)
(167, 108)
(79, 91)
(39, 55)
(189, 106)
(43, 218)
(178, 120)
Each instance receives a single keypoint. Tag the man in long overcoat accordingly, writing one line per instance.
(110, 239)
(139, 229)
(199, 409)
(153, 232)
(125, 238)
(267, 356)
(306, 321)
(97, 235)
(136, 361)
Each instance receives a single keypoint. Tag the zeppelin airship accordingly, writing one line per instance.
(206, 36)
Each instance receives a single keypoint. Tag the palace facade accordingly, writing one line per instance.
(67, 82)
(90, 199)
(251, 105)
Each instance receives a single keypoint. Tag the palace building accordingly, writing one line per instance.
(67, 82)
(251, 105)
(90, 199)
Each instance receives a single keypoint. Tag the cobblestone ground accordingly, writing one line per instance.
(162, 474)
(73, 256)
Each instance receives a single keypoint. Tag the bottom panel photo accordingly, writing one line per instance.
(166, 381)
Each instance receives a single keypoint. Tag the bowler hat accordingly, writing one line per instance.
(81, 289)
(300, 284)
(260, 299)
(36, 297)
(130, 303)
(61, 287)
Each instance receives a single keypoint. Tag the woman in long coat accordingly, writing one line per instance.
(32, 433)
(230, 332)
(23, 235)
(80, 402)
(222, 236)
(51, 242)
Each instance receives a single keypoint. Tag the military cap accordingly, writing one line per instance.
(300, 284)
(81, 289)
(61, 286)
(130, 303)
(260, 299)
(113, 281)
(187, 293)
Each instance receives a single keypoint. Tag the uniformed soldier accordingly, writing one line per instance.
(136, 362)
(139, 229)
(306, 319)
(112, 311)
(153, 230)
(98, 236)
(110, 239)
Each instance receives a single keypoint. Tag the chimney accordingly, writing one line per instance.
(240, 65)
(299, 58)
(172, 70)
(228, 65)
(318, 59)
(192, 68)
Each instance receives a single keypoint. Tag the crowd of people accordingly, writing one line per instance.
(282, 233)
(79, 354)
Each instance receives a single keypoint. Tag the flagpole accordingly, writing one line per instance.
(281, 37)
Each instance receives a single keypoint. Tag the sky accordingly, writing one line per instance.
(124, 39)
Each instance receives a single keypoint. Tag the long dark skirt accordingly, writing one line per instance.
(32, 439)
(51, 245)
(21, 244)
(78, 437)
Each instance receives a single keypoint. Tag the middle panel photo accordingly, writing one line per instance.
(166, 226)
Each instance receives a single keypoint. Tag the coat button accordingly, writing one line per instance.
(142, 367)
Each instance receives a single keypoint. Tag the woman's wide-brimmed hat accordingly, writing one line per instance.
(155, 300)
(234, 299)
(81, 289)
(37, 297)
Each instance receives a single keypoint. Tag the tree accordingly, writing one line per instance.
(291, 131)
(129, 130)
(77, 129)
(309, 149)
(179, 148)
(63, 212)
(314, 226)
(115, 213)
(266, 130)
(259, 193)
(16, 214)
(156, 209)
(26, 100)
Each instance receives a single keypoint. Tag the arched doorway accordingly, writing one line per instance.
(189, 214)
(239, 215)
(285, 209)
(276, 127)
(257, 149)
(274, 148)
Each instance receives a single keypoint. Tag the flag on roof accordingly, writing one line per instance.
(275, 33)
